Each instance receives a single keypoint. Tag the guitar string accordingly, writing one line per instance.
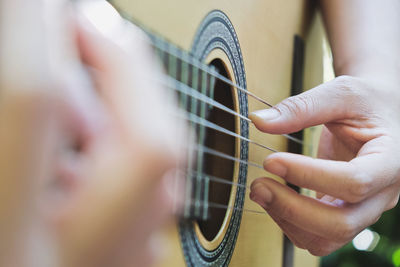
(160, 43)
(190, 61)
(200, 121)
(209, 204)
(211, 151)
(214, 152)
(215, 179)
(196, 63)
(189, 91)
(174, 84)
(173, 50)
(222, 206)
(218, 76)
(185, 89)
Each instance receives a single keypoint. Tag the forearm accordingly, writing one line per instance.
(364, 36)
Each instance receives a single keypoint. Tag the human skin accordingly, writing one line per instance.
(85, 173)
(128, 160)
(357, 173)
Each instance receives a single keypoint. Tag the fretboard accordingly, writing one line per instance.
(187, 74)
(193, 81)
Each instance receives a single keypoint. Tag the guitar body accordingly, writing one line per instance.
(253, 41)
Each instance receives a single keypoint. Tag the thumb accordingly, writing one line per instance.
(327, 102)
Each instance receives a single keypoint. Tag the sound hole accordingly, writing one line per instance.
(216, 166)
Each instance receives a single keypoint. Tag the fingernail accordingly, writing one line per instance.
(275, 167)
(261, 195)
(265, 114)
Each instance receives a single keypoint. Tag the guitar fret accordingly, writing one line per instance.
(189, 182)
(200, 110)
(202, 134)
(197, 165)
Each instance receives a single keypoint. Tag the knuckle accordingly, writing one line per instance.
(287, 212)
(376, 219)
(302, 178)
(296, 242)
(312, 243)
(345, 229)
(346, 83)
(392, 204)
(319, 251)
(360, 187)
(295, 105)
(356, 93)
(321, 247)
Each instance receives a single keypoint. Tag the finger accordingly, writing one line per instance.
(38, 59)
(129, 80)
(156, 214)
(330, 101)
(37, 42)
(118, 190)
(27, 142)
(337, 146)
(109, 47)
(127, 236)
(339, 222)
(316, 245)
(300, 210)
(351, 181)
(23, 34)
(298, 236)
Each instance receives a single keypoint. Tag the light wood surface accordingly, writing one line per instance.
(265, 30)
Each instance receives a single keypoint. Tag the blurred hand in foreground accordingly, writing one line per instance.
(98, 144)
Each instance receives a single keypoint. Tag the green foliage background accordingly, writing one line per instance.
(386, 253)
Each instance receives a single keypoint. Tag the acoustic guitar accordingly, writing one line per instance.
(225, 59)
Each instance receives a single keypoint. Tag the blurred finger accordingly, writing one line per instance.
(129, 78)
